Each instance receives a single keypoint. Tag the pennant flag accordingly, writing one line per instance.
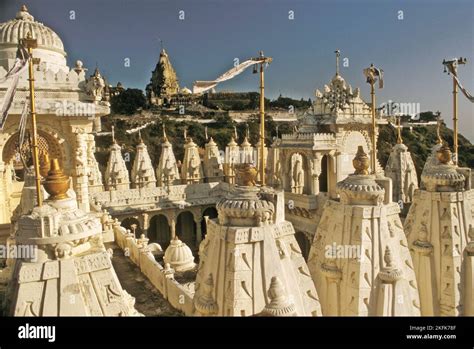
(465, 92)
(202, 86)
(14, 74)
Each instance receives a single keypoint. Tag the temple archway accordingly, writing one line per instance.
(47, 144)
(159, 231)
(324, 175)
(210, 212)
(128, 222)
(186, 229)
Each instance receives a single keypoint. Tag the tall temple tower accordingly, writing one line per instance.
(440, 233)
(163, 83)
(69, 272)
(69, 104)
(246, 247)
(359, 260)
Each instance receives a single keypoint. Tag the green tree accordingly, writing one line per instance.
(128, 102)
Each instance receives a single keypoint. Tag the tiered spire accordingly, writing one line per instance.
(248, 248)
(213, 168)
(354, 235)
(439, 231)
(143, 174)
(167, 172)
(191, 170)
(116, 174)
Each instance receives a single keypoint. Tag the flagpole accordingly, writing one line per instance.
(374, 139)
(372, 73)
(31, 44)
(264, 60)
(453, 69)
(455, 118)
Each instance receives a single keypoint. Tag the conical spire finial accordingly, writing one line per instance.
(338, 54)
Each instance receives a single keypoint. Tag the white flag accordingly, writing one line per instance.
(14, 74)
(202, 86)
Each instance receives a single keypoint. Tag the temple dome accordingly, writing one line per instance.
(50, 46)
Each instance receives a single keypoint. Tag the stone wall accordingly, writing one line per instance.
(180, 297)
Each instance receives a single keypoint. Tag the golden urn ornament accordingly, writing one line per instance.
(246, 175)
(56, 183)
(444, 154)
(45, 164)
(361, 162)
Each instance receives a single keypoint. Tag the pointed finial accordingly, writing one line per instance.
(24, 8)
(247, 131)
(438, 128)
(140, 136)
(113, 134)
(444, 154)
(338, 54)
(205, 132)
(387, 257)
(185, 134)
(235, 132)
(165, 138)
(399, 131)
(361, 162)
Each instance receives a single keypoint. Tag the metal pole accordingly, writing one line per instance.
(374, 141)
(262, 123)
(455, 118)
(33, 122)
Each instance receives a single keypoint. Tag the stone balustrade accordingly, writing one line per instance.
(164, 197)
(178, 295)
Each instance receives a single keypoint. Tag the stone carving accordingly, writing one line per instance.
(401, 169)
(347, 273)
(439, 230)
(297, 174)
(95, 86)
(233, 241)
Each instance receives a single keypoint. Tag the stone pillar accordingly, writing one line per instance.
(172, 223)
(81, 180)
(145, 223)
(198, 221)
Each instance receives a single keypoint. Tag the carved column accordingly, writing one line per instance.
(197, 221)
(145, 223)
(80, 179)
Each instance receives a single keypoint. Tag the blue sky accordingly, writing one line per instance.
(213, 33)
